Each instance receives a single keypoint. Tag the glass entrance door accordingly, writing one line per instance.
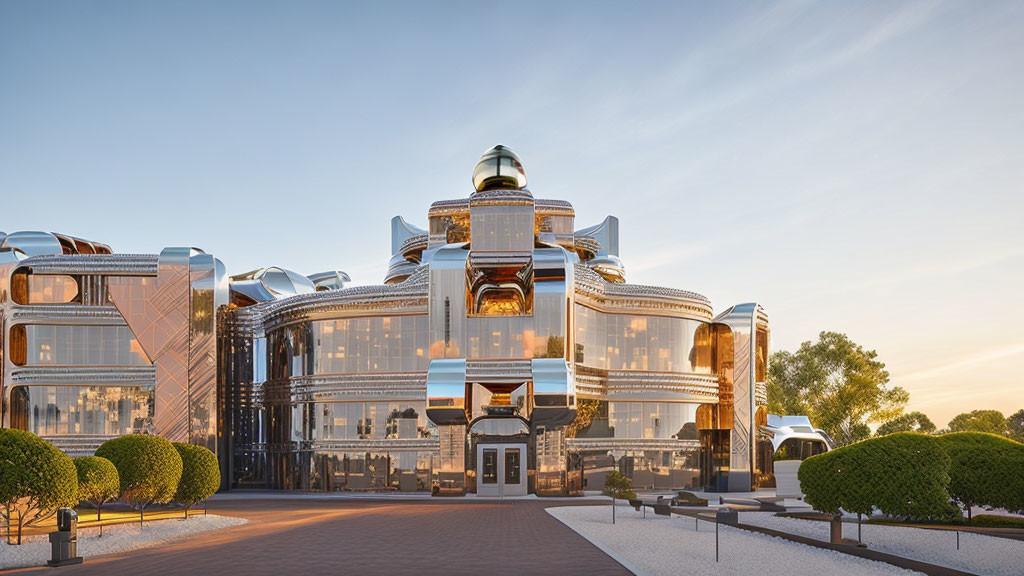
(500, 470)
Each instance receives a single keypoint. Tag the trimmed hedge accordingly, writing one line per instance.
(904, 475)
(986, 470)
(149, 468)
(98, 481)
(200, 476)
(35, 479)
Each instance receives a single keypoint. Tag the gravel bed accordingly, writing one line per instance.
(658, 545)
(978, 553)
(35, 551)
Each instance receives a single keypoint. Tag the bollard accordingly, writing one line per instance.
(836, 529)
(64, 542)
(716, 540)
(957, 539)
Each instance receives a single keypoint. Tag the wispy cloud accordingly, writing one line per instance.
(898, 24)
(975, 359)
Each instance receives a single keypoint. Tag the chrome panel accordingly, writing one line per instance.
(32, 243)
(741, 319)
(554, 392)
(446, 391)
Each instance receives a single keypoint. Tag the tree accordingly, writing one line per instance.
(990, 421)
(148, 466)
(618, 486)
(98, 482)
(987, 470)
(910, 422)
(838, 384)
(200, 475)
(35, 480)
(905, 475)
(1015, 426)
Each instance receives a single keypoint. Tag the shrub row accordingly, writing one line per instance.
(36, 478)
(987, 470)
(916, 476)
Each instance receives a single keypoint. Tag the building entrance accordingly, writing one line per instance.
(501, 470)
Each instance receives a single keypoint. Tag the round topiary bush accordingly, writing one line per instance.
(904, 475)
(149, 468)
(98, 481)
(200, 476)
(986, 470)
(35, 479)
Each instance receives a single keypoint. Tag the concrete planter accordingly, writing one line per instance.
(787, 485)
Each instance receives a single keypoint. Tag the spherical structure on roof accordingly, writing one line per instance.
(499, 167)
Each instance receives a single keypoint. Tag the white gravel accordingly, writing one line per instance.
(978, 553)
(658, 545)
(35, 551)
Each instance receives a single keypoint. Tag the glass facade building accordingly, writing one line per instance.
(504, 353)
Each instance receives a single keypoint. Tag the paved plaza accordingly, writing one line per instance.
(365, 536)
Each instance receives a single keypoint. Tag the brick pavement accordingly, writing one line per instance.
(365, 537)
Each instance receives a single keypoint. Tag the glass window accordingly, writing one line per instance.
(43, 289)
(52, 345)
(489, 468)
(638, 342)
(82, 410)
(373, 344)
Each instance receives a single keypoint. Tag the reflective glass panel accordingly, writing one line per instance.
(52, 345)
(489, 467)
(511, 465)
(82, 410)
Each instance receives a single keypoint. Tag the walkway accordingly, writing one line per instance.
(362, 536)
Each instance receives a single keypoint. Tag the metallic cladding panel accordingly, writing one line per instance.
(446, 391)
(741, 320)
(204, 282)
(448, 302)
(157, 311)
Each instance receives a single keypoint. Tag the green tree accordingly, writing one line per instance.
(989, 421)
(35, 480)
(1015, 426)
(200, 475)
(838, 384)
(987, 470)
(618, 487)
(98, 482)
(910, 422)
(903, 474)
(148, 466)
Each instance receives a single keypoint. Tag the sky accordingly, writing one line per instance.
(852, 166)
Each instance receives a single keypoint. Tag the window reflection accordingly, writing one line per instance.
(374, 344)
(84, 410)
(44, 289)
(635, 420)
(370, 420)
(636, 342)
(52, 345)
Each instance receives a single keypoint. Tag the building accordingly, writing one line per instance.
(504, 354)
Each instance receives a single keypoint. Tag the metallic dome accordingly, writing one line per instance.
(499, 167)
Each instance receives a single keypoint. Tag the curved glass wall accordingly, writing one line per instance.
(369, 420)
(53, 345)
(635, 420)
(371, 344)
(405, 471)
(639, 342)
(82, 410)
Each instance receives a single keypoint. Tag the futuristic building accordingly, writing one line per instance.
(97, 345)
(504, 354)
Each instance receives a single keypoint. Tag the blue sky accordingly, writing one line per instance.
(853, 166)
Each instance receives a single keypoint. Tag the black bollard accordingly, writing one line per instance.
(64, 542)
